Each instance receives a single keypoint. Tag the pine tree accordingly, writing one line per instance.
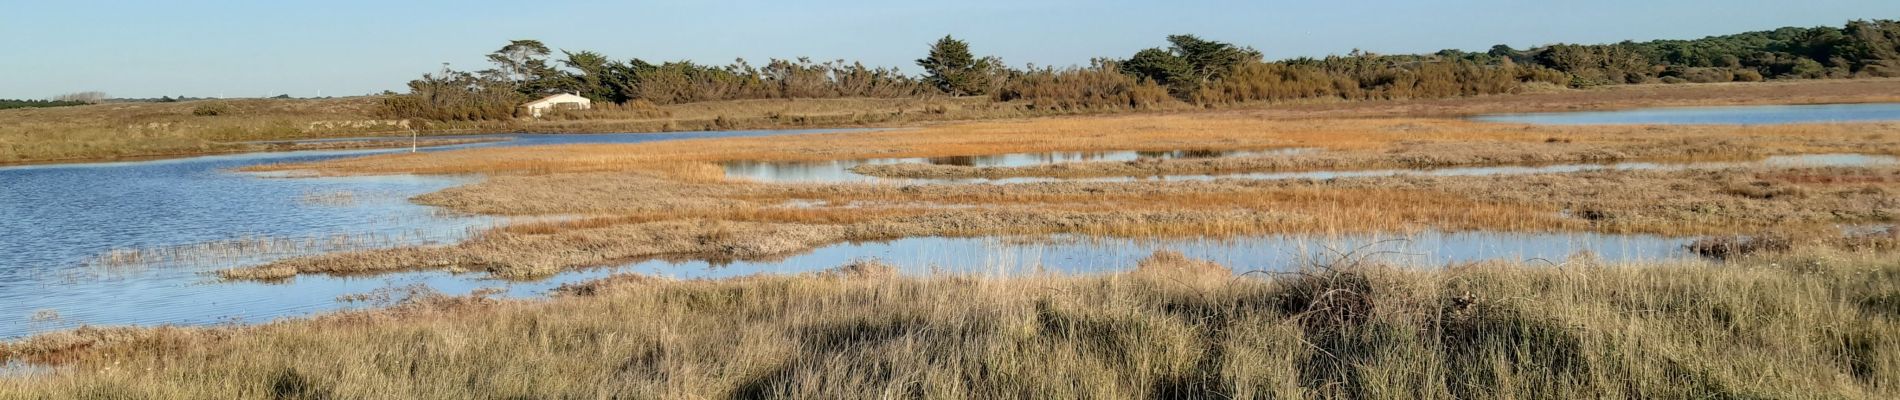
(951, 68)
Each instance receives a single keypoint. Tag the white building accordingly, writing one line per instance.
(561, 101)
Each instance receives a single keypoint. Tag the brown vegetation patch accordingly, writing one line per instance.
(1169, 263)
(860, 269)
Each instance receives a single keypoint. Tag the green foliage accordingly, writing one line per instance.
(1860, 49)
(10, 104)
(951, 68)
(1190, 69)
(452, 95)
(1209, 59)
(524, 65)
(1158, 65)
(1189, 62)
(523, 71)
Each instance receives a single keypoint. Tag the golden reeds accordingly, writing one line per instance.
(1811, 322)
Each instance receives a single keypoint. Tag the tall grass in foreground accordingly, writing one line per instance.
(1815, 323)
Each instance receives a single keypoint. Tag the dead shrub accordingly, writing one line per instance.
(860, 269)
(1169, 263)
(1735, 246)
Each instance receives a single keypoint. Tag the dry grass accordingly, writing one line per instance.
(1799, 320)
(1346, 144)
(118, 131)
(637, 218)
(1811, 323)
(130, 131)
(135, 130)
(668, 199)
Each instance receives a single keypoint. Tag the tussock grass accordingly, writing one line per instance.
(1808, 323)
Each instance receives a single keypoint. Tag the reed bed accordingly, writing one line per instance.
(1806, 322)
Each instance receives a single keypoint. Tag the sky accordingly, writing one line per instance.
(251, 48)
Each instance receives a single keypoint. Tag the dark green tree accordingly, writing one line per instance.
(524, 64)
(1189, 63)
(1158, 65)
(1210, 59)
(596, 77)
(953, 69)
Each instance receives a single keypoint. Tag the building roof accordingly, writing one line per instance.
(559, 98)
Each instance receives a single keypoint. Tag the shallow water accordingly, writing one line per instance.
(1030, 159)
(56, 220)
(840, 171)
(183, 296)
(1745, 115)
(1087, 255)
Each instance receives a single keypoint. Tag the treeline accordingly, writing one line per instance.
(1861, 49)
(11, 104)
(523, 70)
(1205, 72)
(1189, 70)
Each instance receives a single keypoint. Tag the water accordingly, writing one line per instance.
(1057, 157)
(1747, 115)
(56, 219)
(185, 297)
(840, 171)
(1085, 255)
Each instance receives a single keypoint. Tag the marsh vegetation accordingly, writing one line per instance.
(1793, 295)
(1796, 323)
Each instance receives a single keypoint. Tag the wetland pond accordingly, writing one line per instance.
(66, 230)
(130, 243)
(841, 171)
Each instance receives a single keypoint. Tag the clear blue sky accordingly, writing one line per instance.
(350, 47)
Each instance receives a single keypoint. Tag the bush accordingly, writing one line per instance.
(454, 96)
(212, 109)
(1098, 87)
